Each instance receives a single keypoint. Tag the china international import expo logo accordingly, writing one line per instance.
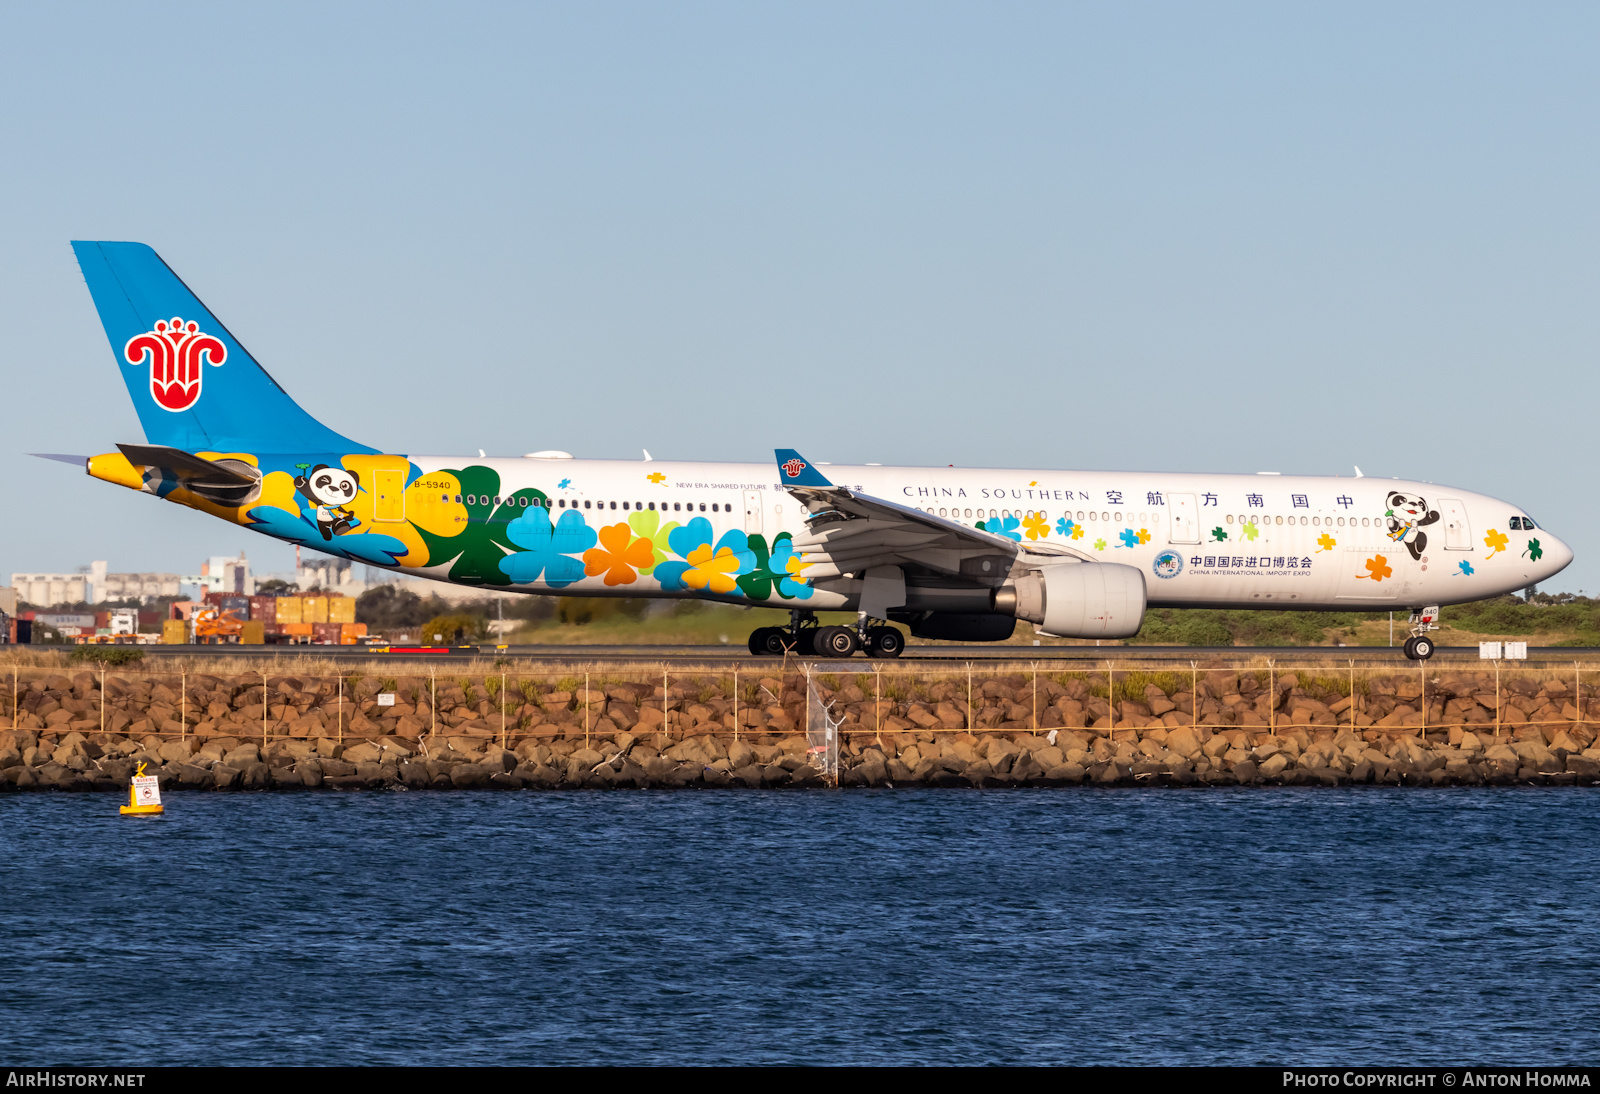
(793, 468)
(175, 351)
(1168, 564)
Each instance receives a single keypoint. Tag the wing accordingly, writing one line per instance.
(849, 532)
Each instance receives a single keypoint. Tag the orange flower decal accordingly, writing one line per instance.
(657, 477)
(1325, 542)
(709, 571)
(616, 557)
(1496, 542)
(1378, 568)
(1144, 536)
(1036, 524)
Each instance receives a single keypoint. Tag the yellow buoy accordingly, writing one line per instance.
(144, 794)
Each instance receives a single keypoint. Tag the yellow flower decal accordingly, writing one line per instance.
(618, 555)
(657, 477)
(1036, 525)
(1077, 531)
(1144, 536)
(709, 572)
(1325, 542)
(1496, 542)
(1378, 568)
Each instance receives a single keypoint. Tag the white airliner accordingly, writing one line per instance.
(957, 554)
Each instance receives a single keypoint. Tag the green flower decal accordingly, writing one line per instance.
(1099, 545)
(1219, 535)
(474, 554)
(1250, 531)
(1534, 551)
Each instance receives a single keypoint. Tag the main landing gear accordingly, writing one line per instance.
(804, 637)
(1419, 647)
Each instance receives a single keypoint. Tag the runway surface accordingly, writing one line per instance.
(1456, 656)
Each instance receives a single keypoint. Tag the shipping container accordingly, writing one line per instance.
(352, 633)
(238, 605)
(174, 632)
(313, 609)
(264, 609)
(297, 630)
(326, 634)
(252, 634)
(341, 609)
(289, 610)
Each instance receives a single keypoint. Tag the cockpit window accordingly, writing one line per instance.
(1523, 524)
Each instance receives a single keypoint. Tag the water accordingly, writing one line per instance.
(1301, 926)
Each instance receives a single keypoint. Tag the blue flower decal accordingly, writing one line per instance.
(1002, 526)
(546, 547)
(1129, 538)
(689, 538)
(563, 484)
(790, 585)
(368, 547)
(1466, 568)
(1064, 527)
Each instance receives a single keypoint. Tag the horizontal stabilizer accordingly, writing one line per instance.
(60, 457)
(185, 466)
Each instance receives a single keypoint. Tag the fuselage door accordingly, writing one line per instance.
(389, 501)
(1457, 532)
(1185, 521)
(752, 512)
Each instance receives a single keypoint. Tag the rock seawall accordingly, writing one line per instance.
(712, 729)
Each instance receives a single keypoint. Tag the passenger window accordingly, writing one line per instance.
(624, 505)
(613, 505)
(702, 507)
(586, 505)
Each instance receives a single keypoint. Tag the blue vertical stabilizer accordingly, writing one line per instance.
(194, 386)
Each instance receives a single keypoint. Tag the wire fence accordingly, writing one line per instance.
(766, 698)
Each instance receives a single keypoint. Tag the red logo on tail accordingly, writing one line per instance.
(793, 468)
(175, 351)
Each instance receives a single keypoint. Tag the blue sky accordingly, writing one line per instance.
(1144, 236)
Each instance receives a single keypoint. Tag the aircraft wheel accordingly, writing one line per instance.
(1410, 649)
(835, 642)
(1421, 648)
(775, 641)
(758, 641)
(885, 642)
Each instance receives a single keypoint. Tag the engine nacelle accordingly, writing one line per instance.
(1079, 600)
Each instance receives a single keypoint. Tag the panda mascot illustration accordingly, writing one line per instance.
(329, 489)
(1407, 516)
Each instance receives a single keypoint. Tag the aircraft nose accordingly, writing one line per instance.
(1557, 556)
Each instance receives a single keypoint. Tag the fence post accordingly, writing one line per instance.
(665, 700)
(1497, 697)
(1036, 696)
(1352, 695)
(1577, 690)
(1272, 698)
(1422, 673)
(338, 709)
(877, 702)
(504, 740)
(736, 701)
(1111, 702)
(263, 712)
(970, 725)
(13, 695)
(586, 710)
(1194, 694)
(433, 705)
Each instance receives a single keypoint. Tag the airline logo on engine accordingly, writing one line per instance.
(176, 350)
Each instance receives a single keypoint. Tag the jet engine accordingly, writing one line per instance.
(1078, 600)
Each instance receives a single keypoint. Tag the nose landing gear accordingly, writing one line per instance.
(1419, 647)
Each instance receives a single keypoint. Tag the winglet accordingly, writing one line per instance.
(795, 470)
